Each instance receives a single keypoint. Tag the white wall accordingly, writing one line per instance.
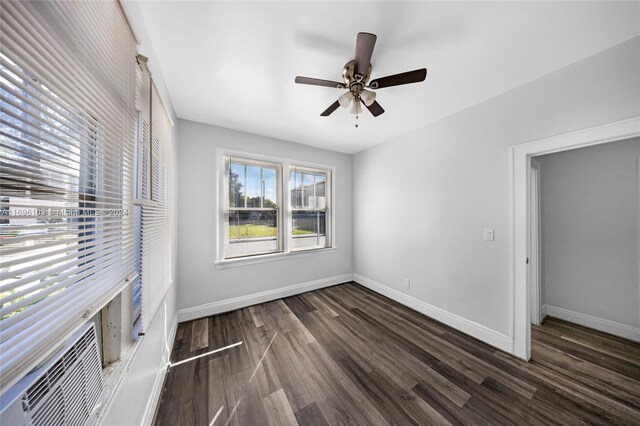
(429, 194)
(589, 214)
(201, 282)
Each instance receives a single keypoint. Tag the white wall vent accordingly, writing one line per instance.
(65, 390)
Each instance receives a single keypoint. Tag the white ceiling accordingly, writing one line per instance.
(233, 64)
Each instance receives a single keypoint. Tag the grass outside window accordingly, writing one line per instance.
(258, 231)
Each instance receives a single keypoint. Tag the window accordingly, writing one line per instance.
(252, 215)
(152, 212)
(141, 180)
(259, 220)
(66, 145)
(155, 215)
(309, 214)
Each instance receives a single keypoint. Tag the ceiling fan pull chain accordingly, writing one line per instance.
(356, 121)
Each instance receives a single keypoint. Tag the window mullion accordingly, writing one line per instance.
(245, 185)
(286, 211)
(261, 188)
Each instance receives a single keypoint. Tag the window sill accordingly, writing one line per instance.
(112, 377)
(264, 258)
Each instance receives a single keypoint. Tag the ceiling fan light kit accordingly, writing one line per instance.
(345, 99)
(368, 97)
(356, 108)
(355, 76)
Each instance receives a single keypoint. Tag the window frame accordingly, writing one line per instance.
(284, 207)
(279, 209)
(296, 167)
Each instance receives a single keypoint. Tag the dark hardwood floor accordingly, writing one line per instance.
(346, 355)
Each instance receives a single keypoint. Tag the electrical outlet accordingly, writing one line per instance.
(488, 235)
(407, 283)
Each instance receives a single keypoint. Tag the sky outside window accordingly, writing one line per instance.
(254, 182)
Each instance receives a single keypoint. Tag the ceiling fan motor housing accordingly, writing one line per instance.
(350, 77)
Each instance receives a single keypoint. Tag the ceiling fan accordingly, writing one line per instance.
(356, 74)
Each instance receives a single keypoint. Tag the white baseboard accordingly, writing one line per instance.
(154, 397)
(618, 329)
(172, 337)
(479, 331)
(234, 303)
(543, 312)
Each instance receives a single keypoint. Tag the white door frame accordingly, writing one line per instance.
(638, 231)
(520, 156)
(535, 257)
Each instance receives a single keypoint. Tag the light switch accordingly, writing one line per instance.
(488, 235)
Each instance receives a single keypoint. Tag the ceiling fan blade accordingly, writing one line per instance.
(364, 49)
(319, 82)
(331, 108)
(375, 108)
(415, 76)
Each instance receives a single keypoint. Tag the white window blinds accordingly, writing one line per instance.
(142, 178)
(152, 204)
(67, 132)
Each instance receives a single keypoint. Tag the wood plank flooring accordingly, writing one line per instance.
(345, 355)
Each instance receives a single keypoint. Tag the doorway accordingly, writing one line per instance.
(521, 214)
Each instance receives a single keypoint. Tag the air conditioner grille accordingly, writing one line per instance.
(52, 410)
(38, 390)
(74, 398)
(56, 372)
(69, 358)
(68, 391)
